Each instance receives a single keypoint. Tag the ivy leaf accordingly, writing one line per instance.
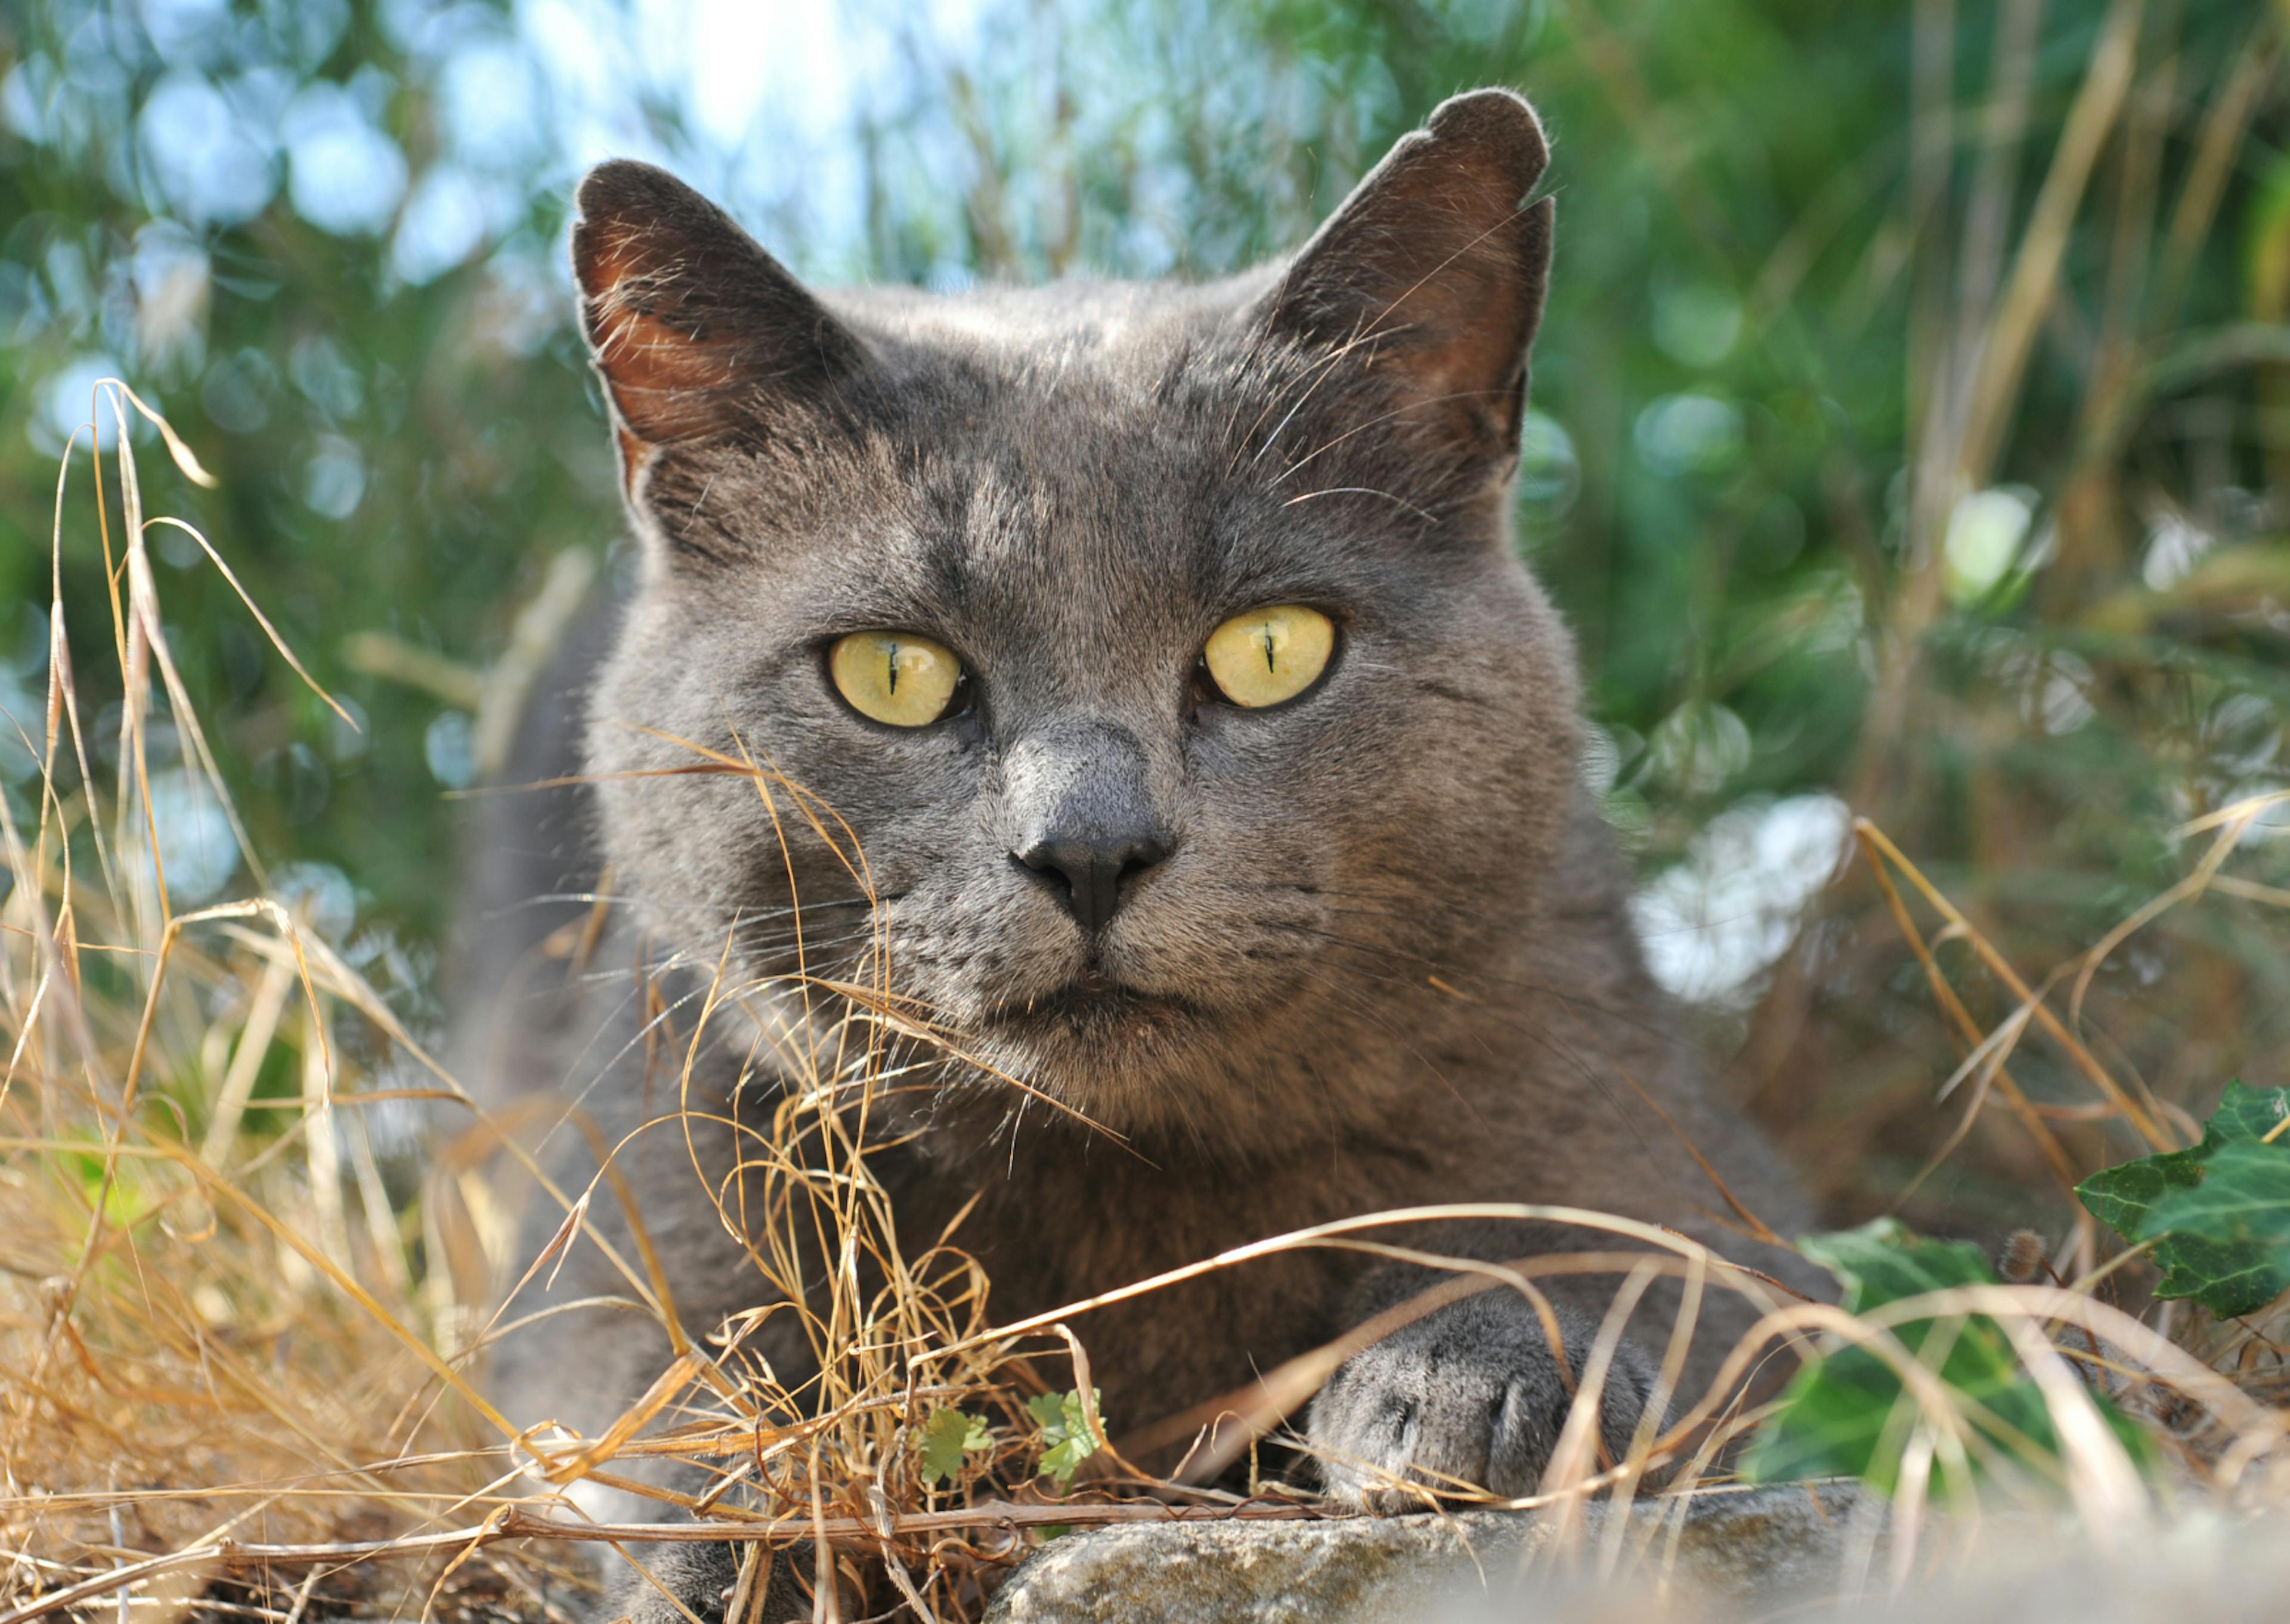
(2228, 1236)
(2219, 1215)
(947, 1437)
(1847, 1414)
(1066, 1440)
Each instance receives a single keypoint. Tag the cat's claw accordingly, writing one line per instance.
(1470, 1397)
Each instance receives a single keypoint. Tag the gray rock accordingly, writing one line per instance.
(1722, 1548)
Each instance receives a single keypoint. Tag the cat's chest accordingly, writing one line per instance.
(1053, 1237)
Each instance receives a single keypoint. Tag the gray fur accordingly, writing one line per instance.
(1387, 960)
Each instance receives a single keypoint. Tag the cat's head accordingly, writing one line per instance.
(1163, 649)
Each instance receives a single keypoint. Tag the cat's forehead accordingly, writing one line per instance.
(1084, 468)
(1088, 381)
(1114, 446)
(1052, 519)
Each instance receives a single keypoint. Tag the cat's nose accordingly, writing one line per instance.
(1094, 872)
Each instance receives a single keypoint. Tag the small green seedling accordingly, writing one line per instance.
(947, 1436)
(1066, 1439)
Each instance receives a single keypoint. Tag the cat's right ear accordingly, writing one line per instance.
(1430, 277)
(698, 333)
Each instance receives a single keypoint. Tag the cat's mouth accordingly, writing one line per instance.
(1092, 1004)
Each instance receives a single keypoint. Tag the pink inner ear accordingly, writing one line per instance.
(663, 368)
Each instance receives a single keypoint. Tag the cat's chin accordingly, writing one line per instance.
(1093, 1043)
(1092, 1008)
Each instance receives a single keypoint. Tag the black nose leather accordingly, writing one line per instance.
(1093, 871)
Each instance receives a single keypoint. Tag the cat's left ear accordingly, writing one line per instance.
(1431, 276)
(698, 333)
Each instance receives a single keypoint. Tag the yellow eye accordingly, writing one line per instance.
(1269, 655)
(895, 678)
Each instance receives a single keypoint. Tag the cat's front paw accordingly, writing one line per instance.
(1470, 1397)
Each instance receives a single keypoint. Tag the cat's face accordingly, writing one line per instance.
(1110, 869)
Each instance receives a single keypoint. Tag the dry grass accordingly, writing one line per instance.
(239, 1367)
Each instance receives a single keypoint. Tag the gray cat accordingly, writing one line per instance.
(1167, 650)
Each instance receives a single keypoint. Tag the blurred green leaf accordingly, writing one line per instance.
(1848, 1415)
(2218, 1215)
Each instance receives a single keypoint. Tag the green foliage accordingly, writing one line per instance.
(947, 1436)
(1066, 1439)
(1847, 1414)
(400, 449)
(2218, 1215)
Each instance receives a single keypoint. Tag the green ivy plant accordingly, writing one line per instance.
(1846, 1413)
(2216, 1219)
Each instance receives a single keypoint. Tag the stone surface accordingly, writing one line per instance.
(1765, 1545)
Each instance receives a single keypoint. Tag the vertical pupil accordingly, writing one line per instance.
(894, 668)
(1267, 648)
